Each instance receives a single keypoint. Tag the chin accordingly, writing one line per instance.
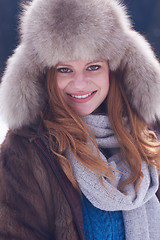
(84, 113)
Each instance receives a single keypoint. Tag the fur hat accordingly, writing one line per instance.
(60, 30)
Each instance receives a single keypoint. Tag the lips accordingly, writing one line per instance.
(81, 97)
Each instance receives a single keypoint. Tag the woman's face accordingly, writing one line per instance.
(83, 84)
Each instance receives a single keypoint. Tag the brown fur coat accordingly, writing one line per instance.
(33, 205)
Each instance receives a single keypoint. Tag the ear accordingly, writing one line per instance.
(21, 90)
(141, 77)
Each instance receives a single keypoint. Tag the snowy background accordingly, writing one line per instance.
(3, 131)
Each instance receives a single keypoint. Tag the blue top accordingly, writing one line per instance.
(102, 225)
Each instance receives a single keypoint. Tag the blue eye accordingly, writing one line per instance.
(64, 70)
(93, 67)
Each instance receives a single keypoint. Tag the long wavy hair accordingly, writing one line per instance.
(67, 129)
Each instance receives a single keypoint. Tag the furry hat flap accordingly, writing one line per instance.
(60, 30)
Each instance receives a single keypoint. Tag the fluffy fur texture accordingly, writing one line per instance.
(60, 30)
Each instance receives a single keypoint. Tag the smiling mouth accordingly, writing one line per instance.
(82, 96)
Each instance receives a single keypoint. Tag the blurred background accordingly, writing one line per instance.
(145, 15)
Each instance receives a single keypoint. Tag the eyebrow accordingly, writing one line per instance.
(63, 64)
(95, 61)
(67, 65)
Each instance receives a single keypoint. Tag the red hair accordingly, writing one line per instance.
(66, 129)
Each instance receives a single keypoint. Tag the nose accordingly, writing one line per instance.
(80, 81)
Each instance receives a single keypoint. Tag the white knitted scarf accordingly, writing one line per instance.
(141, 210)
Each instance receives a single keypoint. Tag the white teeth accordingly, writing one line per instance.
(82, 96)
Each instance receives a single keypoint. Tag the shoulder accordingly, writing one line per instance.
(17, 146)
(23, 168)
(20, 159)
(25, 186)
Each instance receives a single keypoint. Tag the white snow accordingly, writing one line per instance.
(3, 131)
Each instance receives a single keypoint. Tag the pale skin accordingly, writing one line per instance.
(83, 84)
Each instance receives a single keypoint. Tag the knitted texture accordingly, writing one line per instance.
(136, 207)
(102, 225)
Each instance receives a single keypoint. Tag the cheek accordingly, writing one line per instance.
(104, 84)
(63, 83)
(61, 87)
(107, 87)
(60, 84)
(104, 88)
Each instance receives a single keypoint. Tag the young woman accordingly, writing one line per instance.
(78, 94)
